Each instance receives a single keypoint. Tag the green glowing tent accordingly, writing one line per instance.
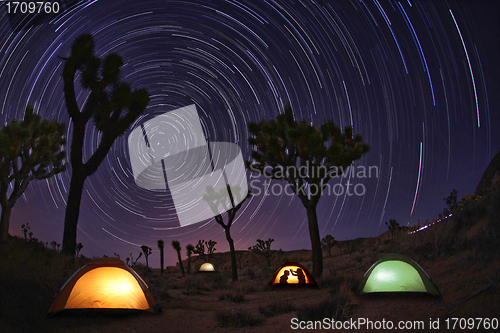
(396, 273)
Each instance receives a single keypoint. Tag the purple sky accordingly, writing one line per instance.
(419, 79)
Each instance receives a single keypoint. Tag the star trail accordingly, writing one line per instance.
(419, 80)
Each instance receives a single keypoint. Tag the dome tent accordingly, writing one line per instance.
(292, 274)
(396, 273)
(206, 268)
(104, 283)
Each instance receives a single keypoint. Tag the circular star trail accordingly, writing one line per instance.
(419, 80)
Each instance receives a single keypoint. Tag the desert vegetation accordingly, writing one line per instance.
(458, 249)
(460, 254)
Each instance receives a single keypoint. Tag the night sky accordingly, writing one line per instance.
(419, 79)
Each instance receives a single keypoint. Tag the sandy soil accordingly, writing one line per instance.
(190, 304)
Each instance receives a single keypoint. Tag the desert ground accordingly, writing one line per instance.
(461, 254)
(468, 281)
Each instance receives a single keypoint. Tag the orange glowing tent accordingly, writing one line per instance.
(292, 274)
(105, 283)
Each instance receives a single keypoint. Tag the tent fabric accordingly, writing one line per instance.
(292, 273)
(104, 283)
(396, 273)
(206, 267)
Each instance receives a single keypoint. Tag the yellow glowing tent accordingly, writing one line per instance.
(105, 283)
(206, 268)
(292, 273)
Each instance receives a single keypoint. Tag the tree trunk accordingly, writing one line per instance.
(4, 222)
(73, 211)
(234, 267)
(161, 261)
(317, 253)
(180, 263)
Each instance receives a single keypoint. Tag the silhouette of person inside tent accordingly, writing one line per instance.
(284, 277)
(299, 273)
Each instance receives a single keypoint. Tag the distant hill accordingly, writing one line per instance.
(490, 176)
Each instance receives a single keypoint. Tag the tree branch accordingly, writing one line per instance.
(69, 89)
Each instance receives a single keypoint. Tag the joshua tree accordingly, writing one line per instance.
(189, 252)
(200, 250)
(111, 104)
(29, 149)
(161, 245)
(25, 228)
(79, 247)
(225, 197)
(392, 226)
(263, 248)
(210, 248)
(177, 247)
(329, 242)
(132, 262)
(307, 157)
(147, 251)
(451, 201)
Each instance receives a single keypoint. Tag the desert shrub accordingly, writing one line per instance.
(469, 214)
(256, 273)
(243, 288)
(349, 286)
(250, 273)
(276, 308)
(22, 302)
(494, 225)
(236, 291)
(335, 308)
(333, 282)
(29, 279)
(494, 278)
(206, 282)
(232, 296)
(424, 252)
(484, 248)
(236, 318)
(342, 284)
(216, 281)
(195, 285)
